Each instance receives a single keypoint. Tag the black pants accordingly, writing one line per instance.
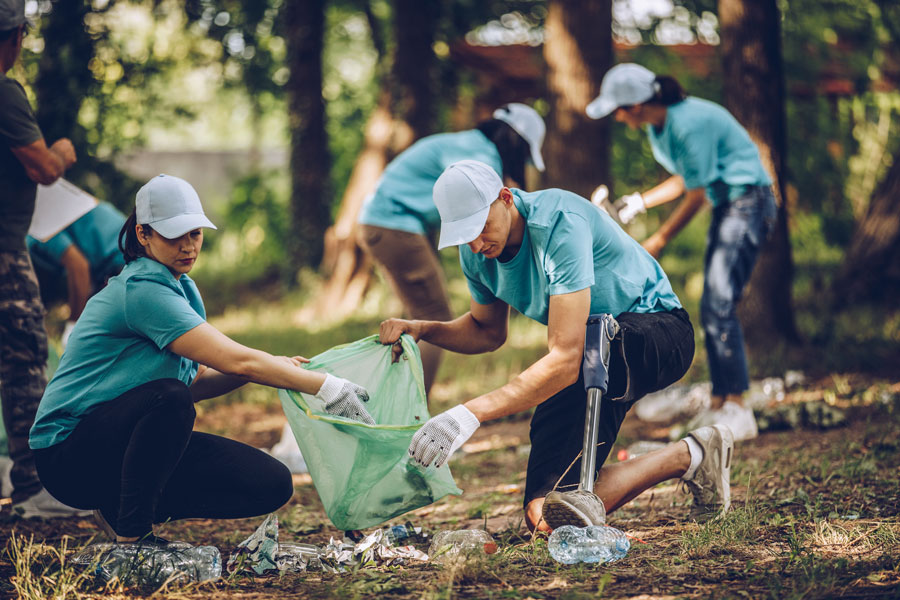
(650, 352)
(137, 460)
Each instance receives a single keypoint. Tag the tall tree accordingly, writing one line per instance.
(871, 268)
(754, 92)
(578, 52)
(310, 157)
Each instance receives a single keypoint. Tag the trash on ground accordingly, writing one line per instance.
(674, 402)
(262, 553)
(151, 564)
(450, 545)
(593, 544)
(815, 415)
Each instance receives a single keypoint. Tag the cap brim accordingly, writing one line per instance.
(537, 159)
(176, 227)
(464, 230)
(600, 107)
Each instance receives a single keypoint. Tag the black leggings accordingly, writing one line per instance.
(137, 460)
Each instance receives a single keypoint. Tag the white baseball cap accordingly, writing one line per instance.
(527, 123)
(171, 206)
(463, 195)
(625, 84)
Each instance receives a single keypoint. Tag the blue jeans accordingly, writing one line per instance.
(737, 232)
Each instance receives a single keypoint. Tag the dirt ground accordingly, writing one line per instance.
(815, 516)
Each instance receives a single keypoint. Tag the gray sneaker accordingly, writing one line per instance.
(578, 508)
(711, 485)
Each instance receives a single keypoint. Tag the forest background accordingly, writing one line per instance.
(284, 112)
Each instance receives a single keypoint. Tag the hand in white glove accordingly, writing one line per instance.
(345, 399)
(67, 331)
(630, 206)
(442, 435)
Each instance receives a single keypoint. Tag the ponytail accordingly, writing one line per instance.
(128, 242)
(513, 149)
(668, 91)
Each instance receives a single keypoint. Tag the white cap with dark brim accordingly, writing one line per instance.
(463, 195)
(171, 206)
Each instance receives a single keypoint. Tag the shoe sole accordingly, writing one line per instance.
(725, 449)
(557, 513)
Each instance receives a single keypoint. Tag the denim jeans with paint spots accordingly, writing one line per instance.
(737, 232)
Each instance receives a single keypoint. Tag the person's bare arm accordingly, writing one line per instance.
(482, 329)
(693, 201)
(208, 346)
(45, 165)
(559, 368)
(78, 279)
(665, 192)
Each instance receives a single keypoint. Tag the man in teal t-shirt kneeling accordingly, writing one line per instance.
(556, 259)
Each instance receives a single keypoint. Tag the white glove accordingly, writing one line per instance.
(345, 399)
(442, 435)
(67, 331)
(630, 206)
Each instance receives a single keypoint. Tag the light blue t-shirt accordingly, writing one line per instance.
(403, 197)
(119, 343)
(569, 245)
(95, 234)
(705, 144)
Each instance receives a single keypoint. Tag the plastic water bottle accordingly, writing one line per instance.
(453, 544)
(593, 544)
(145, 564)
(398, 533)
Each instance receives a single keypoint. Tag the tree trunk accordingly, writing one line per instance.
(578, 52)
(871, 269)
(754, 93)
(405, 112)
(310, 158)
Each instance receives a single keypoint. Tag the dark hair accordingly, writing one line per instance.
(668, 91)
(514, 150)
(128, 241)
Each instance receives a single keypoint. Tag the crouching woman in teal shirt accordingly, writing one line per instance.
(113, 431)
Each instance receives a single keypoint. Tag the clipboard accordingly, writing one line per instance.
(57, 206)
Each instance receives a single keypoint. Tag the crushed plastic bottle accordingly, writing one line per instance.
(296, 558)
(399, 533)
(448, 545)
(593, 544)
(147, 564)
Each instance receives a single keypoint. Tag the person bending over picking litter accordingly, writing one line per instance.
(710, 156)
(398, 221)
(557, 259)
(113, 431)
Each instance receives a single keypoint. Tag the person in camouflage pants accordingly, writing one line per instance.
(23, 355)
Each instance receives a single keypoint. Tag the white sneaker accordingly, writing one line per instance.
(44, 506)
(738, 418)
(6, 464)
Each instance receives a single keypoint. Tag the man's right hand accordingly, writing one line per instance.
(630, 206)
(391, 330)
(64, 149)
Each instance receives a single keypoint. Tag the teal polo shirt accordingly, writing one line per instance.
(119, 343)
(705, 144)
(95, 234)
(569, 245)
(403, 196)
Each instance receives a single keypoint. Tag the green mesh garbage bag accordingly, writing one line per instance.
(363, 473)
